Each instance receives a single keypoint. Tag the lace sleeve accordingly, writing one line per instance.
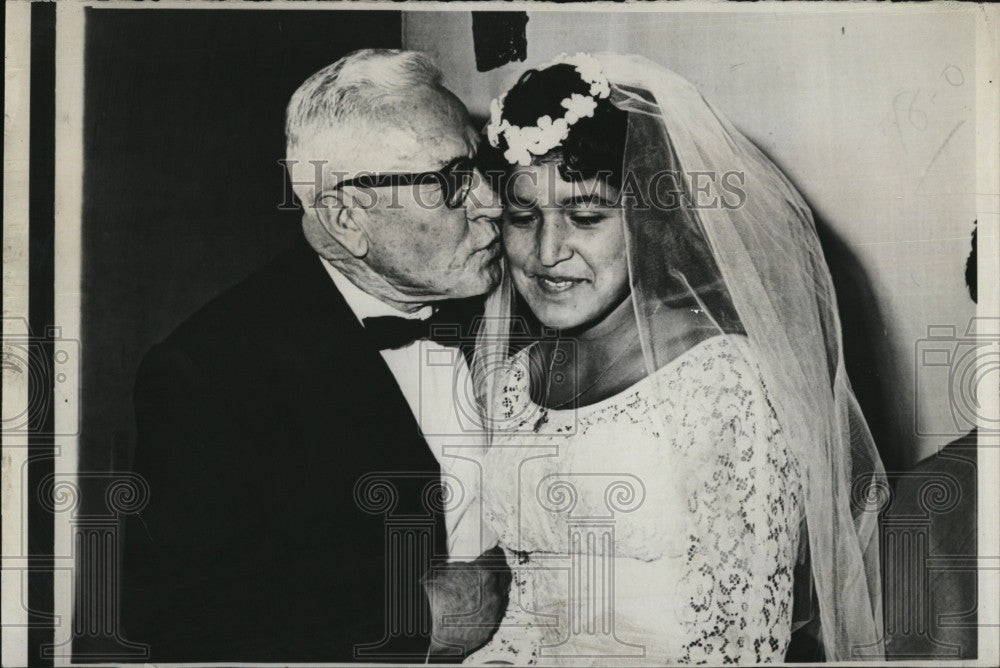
(746, 507)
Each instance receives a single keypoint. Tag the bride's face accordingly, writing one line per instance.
(565, 246)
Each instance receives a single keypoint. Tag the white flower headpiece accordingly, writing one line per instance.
(546, 134)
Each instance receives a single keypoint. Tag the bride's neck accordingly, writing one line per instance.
(617, 323)
(597, 359)
(612, 339)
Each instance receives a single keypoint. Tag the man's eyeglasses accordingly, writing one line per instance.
(454, 180)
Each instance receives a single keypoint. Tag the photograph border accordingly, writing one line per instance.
(43, 197)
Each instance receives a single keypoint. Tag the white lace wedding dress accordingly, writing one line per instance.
(650, 527)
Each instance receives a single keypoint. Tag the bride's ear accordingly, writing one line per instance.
(341, 221)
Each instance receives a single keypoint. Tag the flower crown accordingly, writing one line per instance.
(546, 134)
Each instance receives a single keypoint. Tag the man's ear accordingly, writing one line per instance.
(342, 222)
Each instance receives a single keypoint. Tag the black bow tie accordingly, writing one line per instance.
(389, 332)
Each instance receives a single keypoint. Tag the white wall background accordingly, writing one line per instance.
(871, 115)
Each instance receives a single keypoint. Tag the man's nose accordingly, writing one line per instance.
(551, 243)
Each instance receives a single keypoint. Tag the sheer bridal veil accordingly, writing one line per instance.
(713, 225)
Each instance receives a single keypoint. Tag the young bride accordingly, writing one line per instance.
(678, 471)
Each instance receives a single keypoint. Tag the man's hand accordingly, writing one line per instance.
(468, 599)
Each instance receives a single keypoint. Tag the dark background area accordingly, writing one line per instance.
(184, 128)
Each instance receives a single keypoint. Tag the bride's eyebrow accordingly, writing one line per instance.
(587, 199)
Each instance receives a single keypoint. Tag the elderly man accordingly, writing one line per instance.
(294, 497)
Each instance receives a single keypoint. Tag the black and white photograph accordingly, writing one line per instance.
(501, 333)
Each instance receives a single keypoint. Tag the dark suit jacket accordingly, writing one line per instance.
(281, 457)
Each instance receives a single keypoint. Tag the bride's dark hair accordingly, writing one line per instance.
(595, 145)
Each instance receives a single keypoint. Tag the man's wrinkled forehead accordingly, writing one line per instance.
(424, 131)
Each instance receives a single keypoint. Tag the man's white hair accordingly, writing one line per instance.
(343, 101)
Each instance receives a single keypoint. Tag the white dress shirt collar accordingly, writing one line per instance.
(429, 390)
(365, 305)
